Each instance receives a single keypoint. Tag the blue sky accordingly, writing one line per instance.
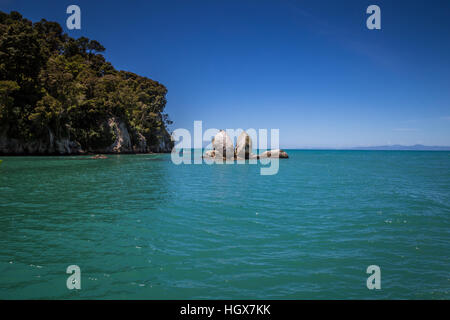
(310, 68)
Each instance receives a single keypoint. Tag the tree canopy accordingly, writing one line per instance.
(50, 82)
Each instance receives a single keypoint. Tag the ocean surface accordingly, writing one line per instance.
(141, 227)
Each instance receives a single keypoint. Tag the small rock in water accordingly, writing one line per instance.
(277, 153)
(99, 156)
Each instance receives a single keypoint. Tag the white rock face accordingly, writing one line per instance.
(123, 140)
(223, 145)
(243, 146)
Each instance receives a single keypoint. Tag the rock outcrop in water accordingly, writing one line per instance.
(223, 149)
(223, 146)
(277, 153)
(244, 147)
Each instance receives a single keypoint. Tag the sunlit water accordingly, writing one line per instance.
(140, 227)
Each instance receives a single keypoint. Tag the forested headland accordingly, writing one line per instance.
(58, 95)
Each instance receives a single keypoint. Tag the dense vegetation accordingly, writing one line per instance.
(55, 87)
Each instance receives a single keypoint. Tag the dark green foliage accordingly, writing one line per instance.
(52, 82)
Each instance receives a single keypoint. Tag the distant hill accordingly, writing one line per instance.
(416, 147)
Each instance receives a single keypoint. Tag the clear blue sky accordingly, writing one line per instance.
(310, 68)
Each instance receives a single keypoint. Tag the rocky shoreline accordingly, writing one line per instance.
(123, 143)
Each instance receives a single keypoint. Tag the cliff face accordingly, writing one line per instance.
(58, 95)
(125, 142)
(122, 142)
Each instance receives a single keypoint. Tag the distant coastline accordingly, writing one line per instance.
(395, 147)
(398, 147)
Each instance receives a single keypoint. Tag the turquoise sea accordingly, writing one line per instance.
(140, 227)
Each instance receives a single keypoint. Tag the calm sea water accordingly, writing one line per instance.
(140, 227)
